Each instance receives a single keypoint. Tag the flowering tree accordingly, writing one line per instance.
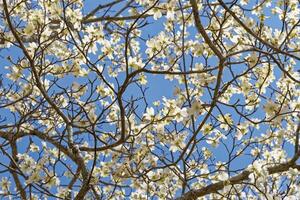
(80, 118)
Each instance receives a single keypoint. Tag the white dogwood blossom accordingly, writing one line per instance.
(149, 99)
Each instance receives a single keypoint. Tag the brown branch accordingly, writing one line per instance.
(95, 10)
(114, 18)
(253, 34)
(13, 172)
(70, 153)
(32, 65)
(297, 152)
(202, 31)
(79, 160)
(213, 188)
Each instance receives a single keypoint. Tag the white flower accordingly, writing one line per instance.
(34, 148)
(252, 178)
(63, 192)
(160, 128)
(223, 176)
(270, 107)
(244, 2)
(195, 108)
(259, 168)
(226, 121)
(255, 152)
(15, 73)
(143, 79)
(135, 62)
(180, 114)
(149, 114)
(207, 128)
(156, 13)
(252, 59)
(153, 46)
(245, 86)
(107, 49)
(206, 152)
(241, 130)
(35, 177)
(173, 148)
(156, 103)
(5, 184)
(28, 164)
(170, 14)
(178, 143)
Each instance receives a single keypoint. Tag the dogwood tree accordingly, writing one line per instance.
(149, 99)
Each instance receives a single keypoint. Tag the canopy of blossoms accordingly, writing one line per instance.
(149, 99)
